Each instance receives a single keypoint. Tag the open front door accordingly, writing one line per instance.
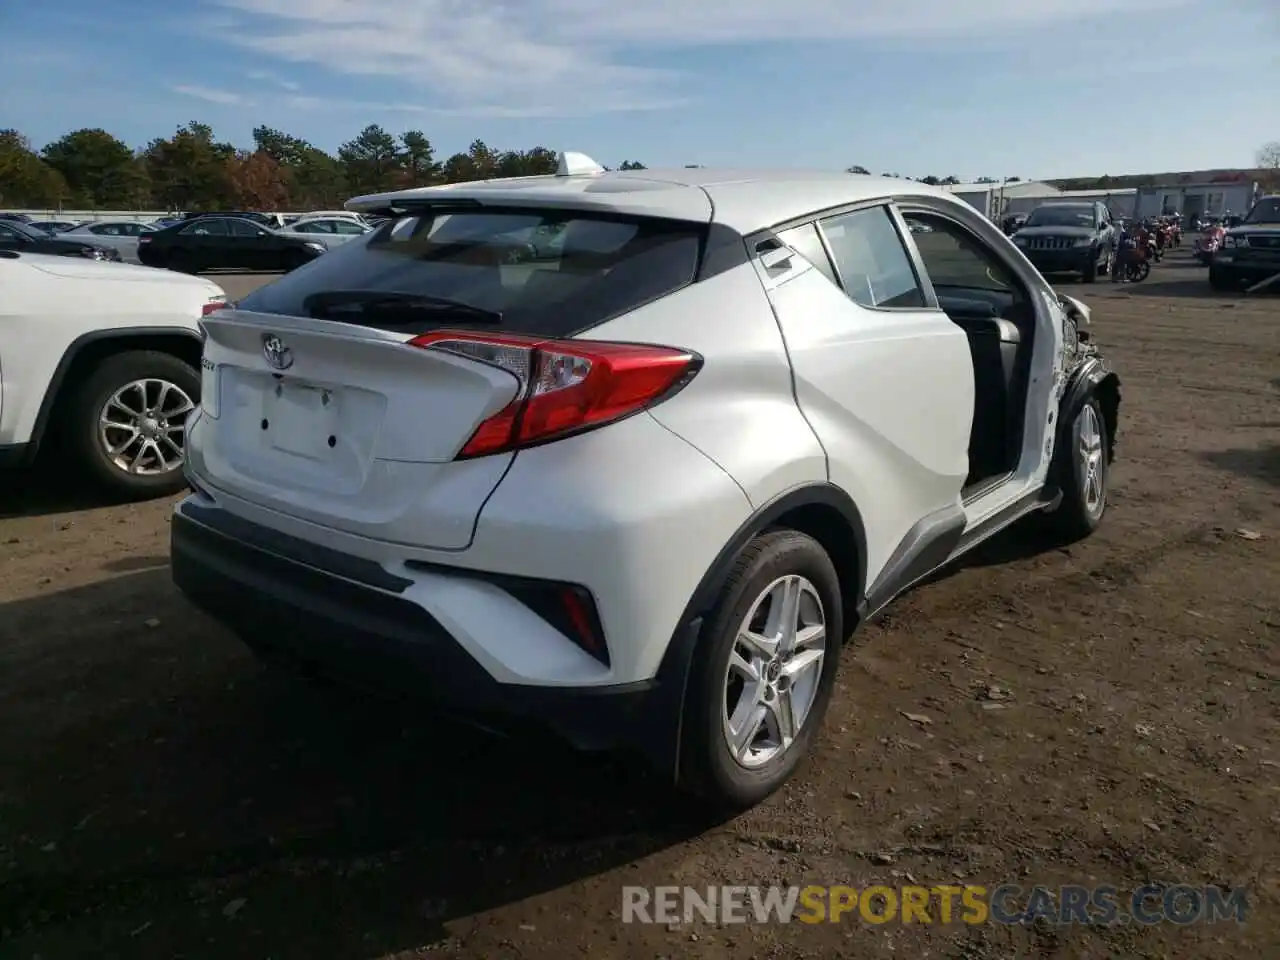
(885, 381)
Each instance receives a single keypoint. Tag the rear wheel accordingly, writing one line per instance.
(1137, 271)
(127, 424)
(764, 671)
(182, 262)
(1219, 280)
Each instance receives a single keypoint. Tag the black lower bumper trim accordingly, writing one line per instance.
(14, 454)
(373, 639)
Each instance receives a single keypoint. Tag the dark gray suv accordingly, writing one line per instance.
(1066, 237)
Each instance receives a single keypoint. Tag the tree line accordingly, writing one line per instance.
(90, 169)
(192, 170)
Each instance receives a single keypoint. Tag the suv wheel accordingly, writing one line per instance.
(1218, 280)
(127, 424)
(1090, 272)
(764, 671)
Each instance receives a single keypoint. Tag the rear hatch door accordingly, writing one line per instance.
(348, 426)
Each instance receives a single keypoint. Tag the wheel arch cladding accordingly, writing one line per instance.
(90, 349)
(822, 511)
(1092, 379)
(1107, 390)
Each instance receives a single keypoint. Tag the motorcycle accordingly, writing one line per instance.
(1136, 267)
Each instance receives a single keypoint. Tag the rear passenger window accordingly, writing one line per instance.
(873, 265)
(806, 242)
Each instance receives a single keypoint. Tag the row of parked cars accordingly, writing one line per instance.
(1080, 238)
(100, 353)
(629, 455)
(234, 240)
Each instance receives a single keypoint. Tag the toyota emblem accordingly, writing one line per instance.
(279, 357)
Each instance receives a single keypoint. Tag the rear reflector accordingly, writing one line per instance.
(566, 386)
(569, 609)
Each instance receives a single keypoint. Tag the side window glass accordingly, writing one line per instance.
(954, 257)
(872, 262)
(807, 242)
(344, 226)
(207, 228)
(243, 228)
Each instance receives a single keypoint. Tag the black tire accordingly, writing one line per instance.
(295, 259)
(1090, 273)
(181, 262)
(707, 767)
(1079, 513)
(85, 442)
(1219, 281)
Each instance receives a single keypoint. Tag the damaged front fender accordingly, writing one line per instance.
(1091, 376)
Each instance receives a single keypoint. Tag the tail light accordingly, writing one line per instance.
(144, 239)
(566, 386)
(213, 306)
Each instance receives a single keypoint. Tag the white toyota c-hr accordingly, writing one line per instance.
(640, 481)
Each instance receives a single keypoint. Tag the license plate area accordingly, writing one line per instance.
(301, 419)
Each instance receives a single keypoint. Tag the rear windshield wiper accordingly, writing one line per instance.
(339, 304)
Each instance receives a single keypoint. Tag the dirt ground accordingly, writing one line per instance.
(162, 796)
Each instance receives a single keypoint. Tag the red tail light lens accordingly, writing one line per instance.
(212, 307)
(567, 386)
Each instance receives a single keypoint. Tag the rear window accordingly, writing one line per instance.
(543, 272)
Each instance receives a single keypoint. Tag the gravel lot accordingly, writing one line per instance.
(163, 796)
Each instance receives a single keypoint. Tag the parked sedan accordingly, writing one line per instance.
(329, 232)
(54, 226)
(119, 235)
(27, 238)
(226, 243)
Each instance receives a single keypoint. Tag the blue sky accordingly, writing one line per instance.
(1030, 88)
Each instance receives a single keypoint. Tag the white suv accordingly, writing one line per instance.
(101, 359)
(640, 485)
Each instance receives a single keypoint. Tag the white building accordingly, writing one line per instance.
(995, 200)
(1232, 194)
(976, 195)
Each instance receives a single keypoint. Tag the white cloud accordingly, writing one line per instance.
(212, 95)
(576, 56)
(265, 76)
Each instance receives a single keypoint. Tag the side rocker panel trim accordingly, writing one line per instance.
(928, 545)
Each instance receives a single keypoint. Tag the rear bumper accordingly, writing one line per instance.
(342, 617)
